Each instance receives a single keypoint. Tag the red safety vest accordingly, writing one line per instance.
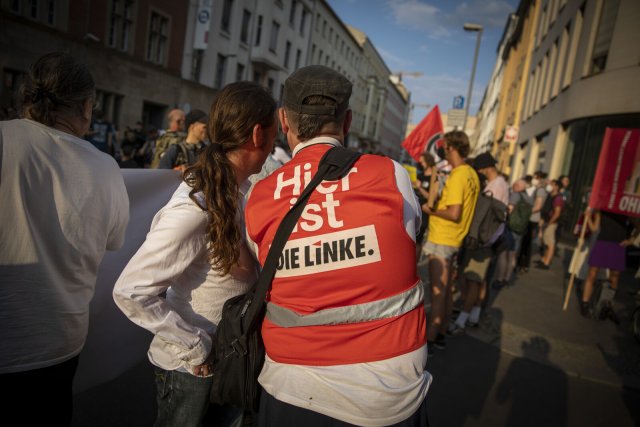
(346, 290)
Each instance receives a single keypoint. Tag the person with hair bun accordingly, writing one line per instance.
(195, 256)
(64, 204)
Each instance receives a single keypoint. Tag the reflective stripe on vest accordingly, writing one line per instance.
(393, 306)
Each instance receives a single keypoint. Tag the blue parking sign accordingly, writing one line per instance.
(458, 102)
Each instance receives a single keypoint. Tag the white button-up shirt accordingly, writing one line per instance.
(173, 258)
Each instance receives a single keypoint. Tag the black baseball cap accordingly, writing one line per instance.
(316, 80)
(484, 160)
(195, 116)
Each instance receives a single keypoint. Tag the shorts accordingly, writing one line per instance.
(441, 251)
(549, 234)
(476, 263)
(608, 255)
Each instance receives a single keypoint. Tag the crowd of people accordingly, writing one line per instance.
(346, 332)
(536, 215)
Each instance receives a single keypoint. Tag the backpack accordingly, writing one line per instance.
(487, 218)
(519, 218)
(163, 143)
(547, 208)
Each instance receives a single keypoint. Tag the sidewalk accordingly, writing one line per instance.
(531, 307)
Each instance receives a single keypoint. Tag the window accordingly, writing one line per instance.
(324, 28)
(292, 12)
(564, 42)
(273, 43)
(110, 103)
(287, 52)
(33, 9)
(573, 49)
(196, 64)
(319, 56)
(244, 32)
(270, 84)
(317, 22)
(313, 51)
(604, 35)
(226, 15)
(303, 21)
(239, 72)
(298, 56)
(221, 66)
(259, 30)
(120, 24)
(281, 94)
(158, 37)
(51, 12)
(257, 76)
(15, 6)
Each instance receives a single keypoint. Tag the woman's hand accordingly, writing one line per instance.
(206, 368)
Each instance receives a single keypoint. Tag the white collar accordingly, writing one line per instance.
(313, 141)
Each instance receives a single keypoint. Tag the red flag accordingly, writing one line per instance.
(616, 186)
(426, 136)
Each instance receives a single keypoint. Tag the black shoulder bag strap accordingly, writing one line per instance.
(335, 163)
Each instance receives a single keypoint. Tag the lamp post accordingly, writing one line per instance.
(478, 29)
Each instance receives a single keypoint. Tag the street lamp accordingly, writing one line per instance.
(478, 29)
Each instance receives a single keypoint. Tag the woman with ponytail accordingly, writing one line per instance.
(195, 256)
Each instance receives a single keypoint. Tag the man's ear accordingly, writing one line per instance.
(87, 109)
(284, 120)
(347, 122)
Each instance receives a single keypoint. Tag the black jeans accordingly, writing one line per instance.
(40, 397)
(524, 258)
(274, 413)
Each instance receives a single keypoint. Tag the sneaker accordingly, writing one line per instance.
(542, 266)
(441, 342)
(455, 330)
(473, 324)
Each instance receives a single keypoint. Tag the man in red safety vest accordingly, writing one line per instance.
(345, 330)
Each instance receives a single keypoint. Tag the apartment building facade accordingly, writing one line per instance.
(148, 56)
(581, 76)
(485, 131)
(132, 47)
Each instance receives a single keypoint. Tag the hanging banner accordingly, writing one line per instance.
(203, 22)
(616, 186)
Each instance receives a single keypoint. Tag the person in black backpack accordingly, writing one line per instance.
(520, 205)
(476, 259)
(185, 152)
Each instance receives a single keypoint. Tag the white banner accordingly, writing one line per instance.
(115, 344)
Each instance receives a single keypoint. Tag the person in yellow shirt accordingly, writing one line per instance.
(449, 223)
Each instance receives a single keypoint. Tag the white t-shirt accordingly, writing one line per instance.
(63, 204)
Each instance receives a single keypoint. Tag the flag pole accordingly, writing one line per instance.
(576, 250)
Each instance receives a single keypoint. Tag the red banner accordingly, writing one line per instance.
(616, 186)
(426, 136)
